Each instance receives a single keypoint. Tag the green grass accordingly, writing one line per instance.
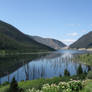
(38, 83)
(4, 88)
(88, 86)
(84, 58)
(31, 84)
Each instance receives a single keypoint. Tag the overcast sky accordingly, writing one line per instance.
(65, 20)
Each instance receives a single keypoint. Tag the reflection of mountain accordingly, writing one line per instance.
(12, 63)
(63, 55)
(49, 67)
(45, 66)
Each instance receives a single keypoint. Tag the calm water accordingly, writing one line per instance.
(47, 66)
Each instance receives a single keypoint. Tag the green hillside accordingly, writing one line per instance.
(13, 39)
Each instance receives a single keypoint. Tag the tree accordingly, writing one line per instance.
(89, 68)
(14, 86)
(79, 70)
(66, 72)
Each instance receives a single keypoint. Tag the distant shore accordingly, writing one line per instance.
(67, 48)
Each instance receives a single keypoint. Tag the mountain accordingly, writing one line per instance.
(53, 43)
(84, 42)
(13, 39)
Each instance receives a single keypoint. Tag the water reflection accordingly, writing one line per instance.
(48, 66)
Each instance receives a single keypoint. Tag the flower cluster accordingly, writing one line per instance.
(71, 86)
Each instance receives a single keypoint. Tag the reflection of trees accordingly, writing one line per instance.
(32, 72)
(11, 63)
(26, 68)
(45, 66)
(17, 74)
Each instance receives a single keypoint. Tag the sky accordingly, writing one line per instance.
(64, 20)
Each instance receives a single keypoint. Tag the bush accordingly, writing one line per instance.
(66, 72)
(5, 83)
(89, 76)
(14, 86)
(72, 86)
(75, 85)
(79, 70)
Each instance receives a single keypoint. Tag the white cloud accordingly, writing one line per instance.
(72, 34)
(68, 41)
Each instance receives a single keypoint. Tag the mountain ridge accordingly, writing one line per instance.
(53, 43)
(83, 42)
(13, 39)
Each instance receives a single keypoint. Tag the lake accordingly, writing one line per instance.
(47, 66)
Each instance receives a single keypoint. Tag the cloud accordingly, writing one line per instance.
(72, 34)
(68, 41)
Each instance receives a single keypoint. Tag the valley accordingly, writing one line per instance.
(32, 59)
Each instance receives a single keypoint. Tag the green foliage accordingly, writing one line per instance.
(12, 39)
(79, 70)
(14, 86)
(75, 85)
(87, 86)
(72, 86)
(5, 83)
(2, 52)
(89, 76)
(84, 58)
(66, 72)
(38, 83)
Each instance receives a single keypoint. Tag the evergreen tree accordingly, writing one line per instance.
(66, 72)
(79, 70)
(14, 86)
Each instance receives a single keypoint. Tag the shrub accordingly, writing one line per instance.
(14, 86)
(5, 83)
(79, 70)
(75, 85)
(66, 72)
(89, 76)
(72, 86)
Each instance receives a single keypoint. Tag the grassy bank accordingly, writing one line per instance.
(84, 58)
(22, 52)
(87, 86)
(38, 83)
